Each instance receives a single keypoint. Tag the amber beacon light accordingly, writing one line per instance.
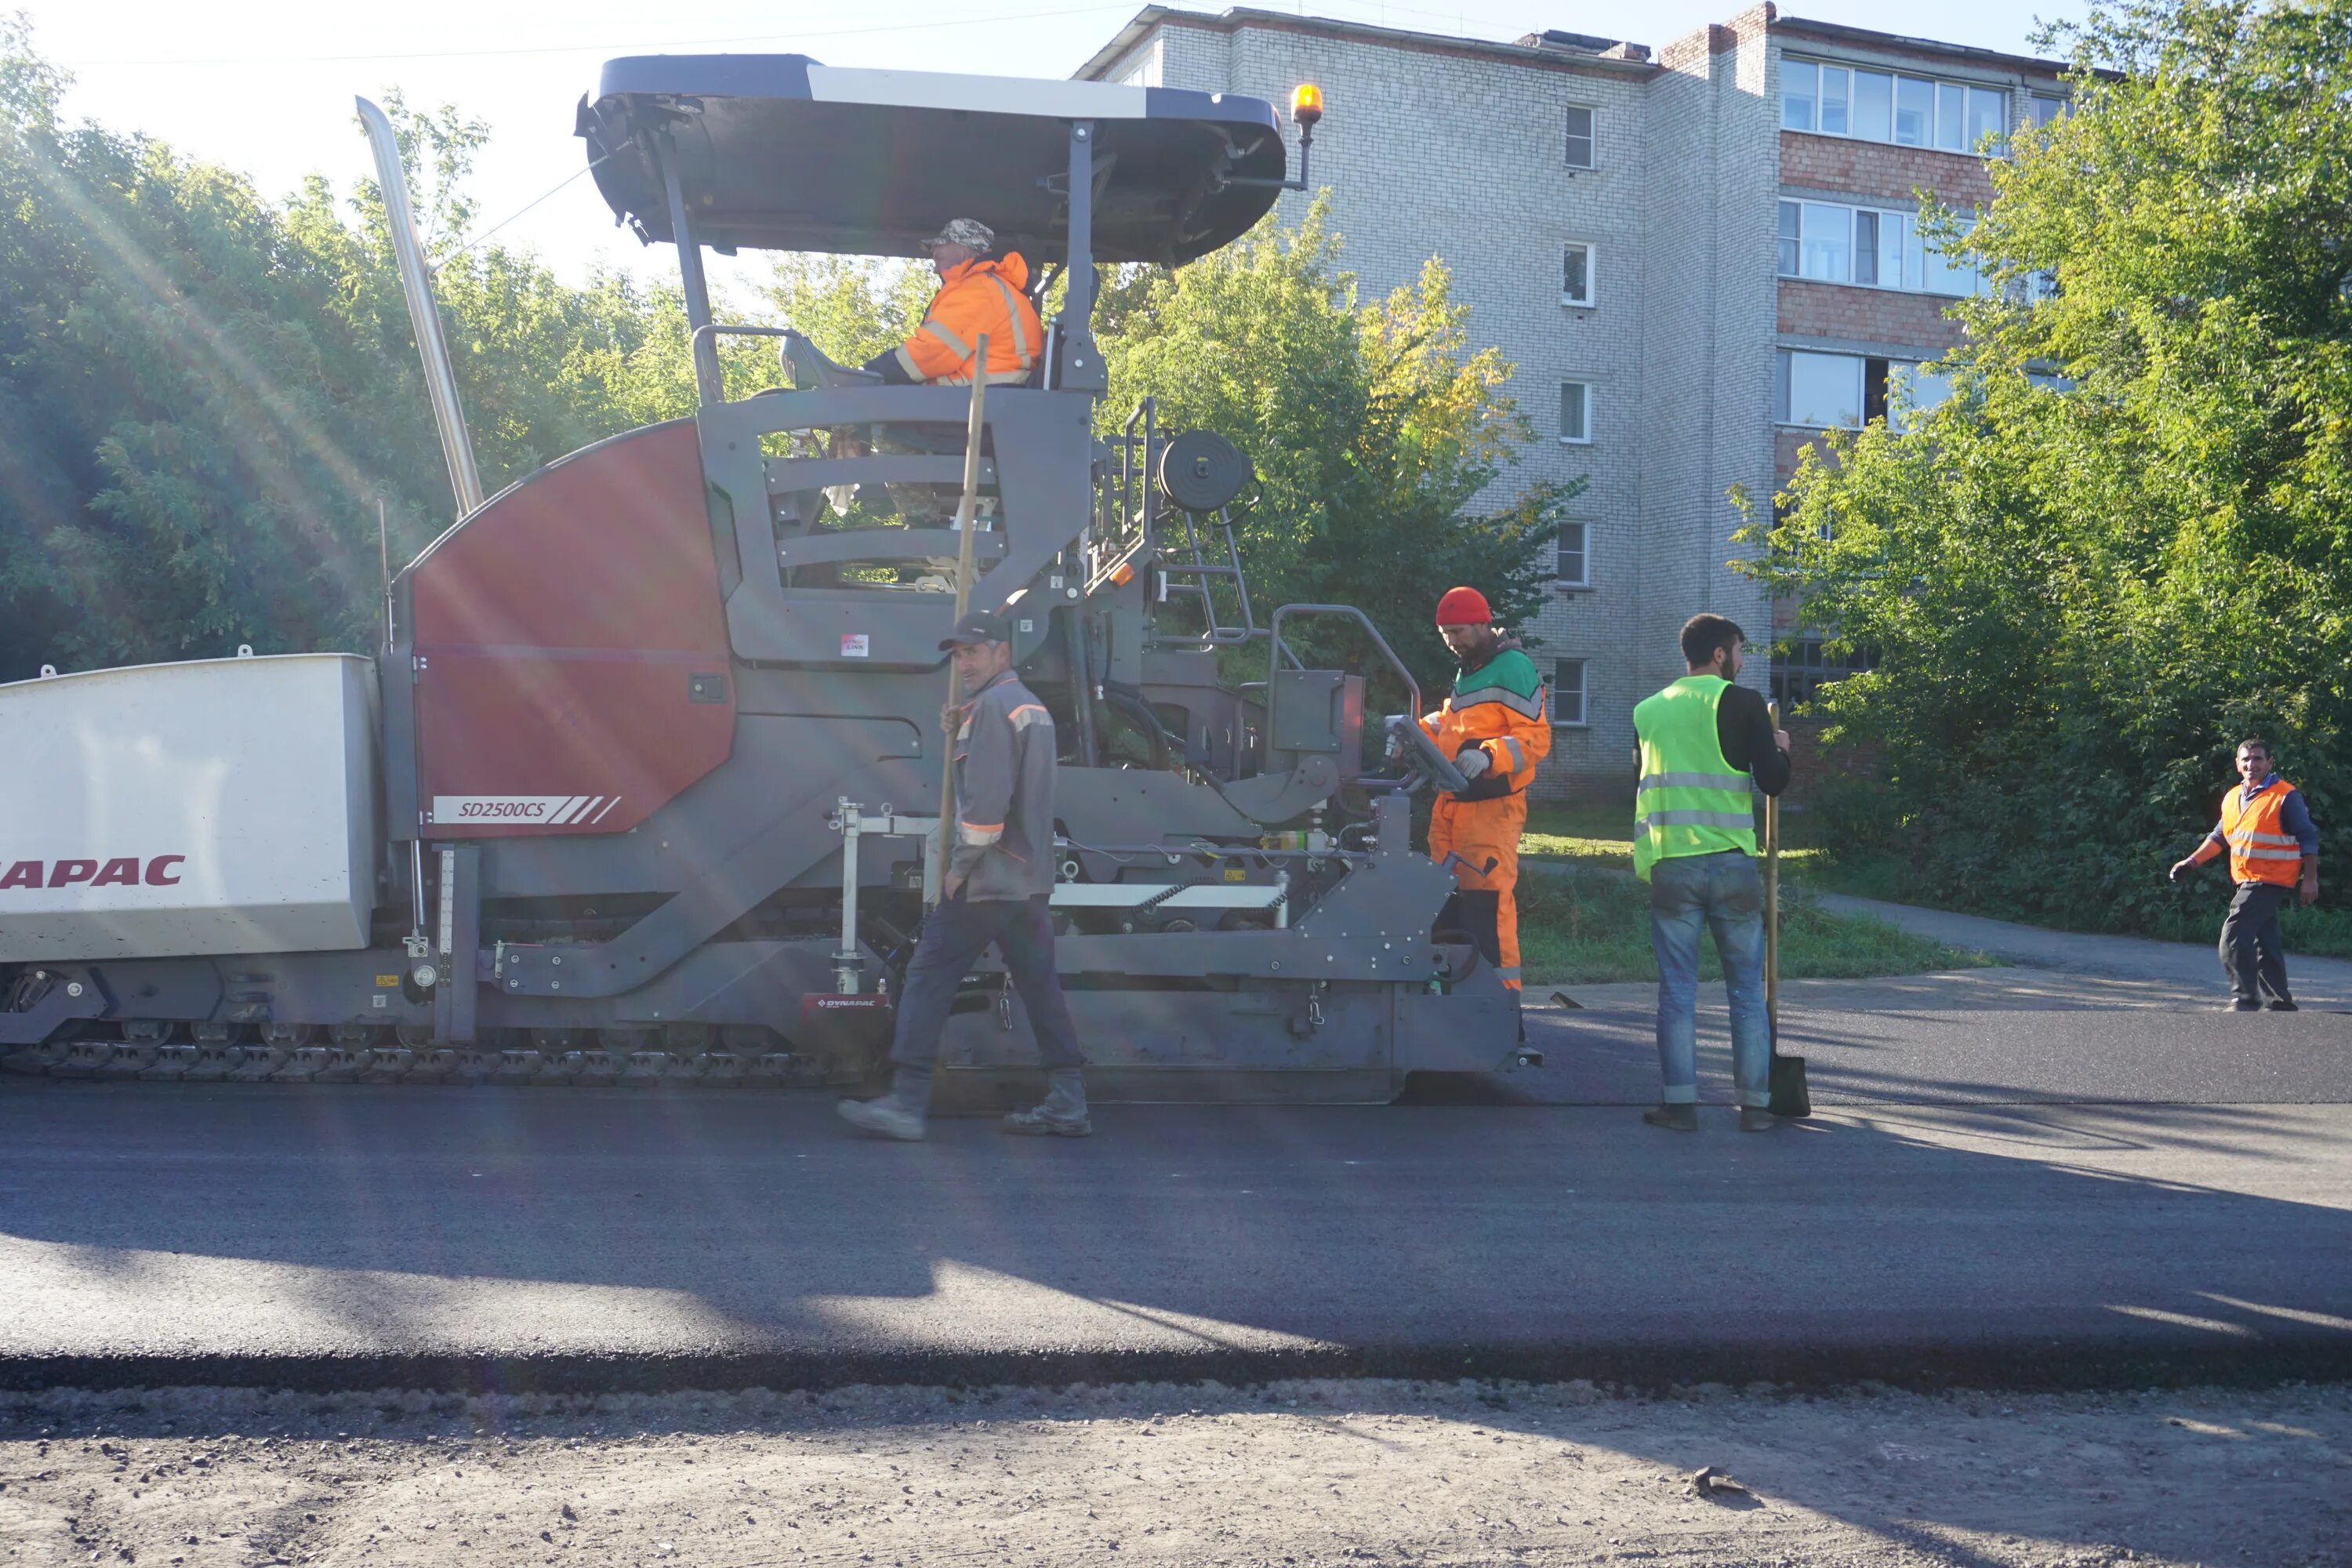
(1305, 109)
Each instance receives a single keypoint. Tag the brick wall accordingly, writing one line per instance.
(1874, 169)
(1866, 315)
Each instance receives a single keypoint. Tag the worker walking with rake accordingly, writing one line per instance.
(996, 846)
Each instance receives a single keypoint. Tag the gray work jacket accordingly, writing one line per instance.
(1004, 794)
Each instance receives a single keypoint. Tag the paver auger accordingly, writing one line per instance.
(644, 784)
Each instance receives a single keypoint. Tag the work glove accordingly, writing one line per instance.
(1472, 761)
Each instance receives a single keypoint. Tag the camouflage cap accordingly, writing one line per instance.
(964, 231)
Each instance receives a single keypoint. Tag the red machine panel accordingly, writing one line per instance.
(572, 671)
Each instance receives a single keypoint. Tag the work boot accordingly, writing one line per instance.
(898, 1114)
(1757, 1118)
(1061, 1115)
(2283, 1005)
(2243, 1004)
(1672, 1117)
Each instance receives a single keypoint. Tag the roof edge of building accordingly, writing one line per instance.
(1236, 18)
(1840, 32)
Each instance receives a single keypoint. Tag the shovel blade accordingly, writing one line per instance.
(1788, 1096)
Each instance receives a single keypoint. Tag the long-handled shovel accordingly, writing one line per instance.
(1788, 1096)
(965, 508)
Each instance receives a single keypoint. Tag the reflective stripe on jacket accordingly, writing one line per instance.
(979, 296)
(1004, 772)
(1501, 708)
(1690, 800)
(2259, 850)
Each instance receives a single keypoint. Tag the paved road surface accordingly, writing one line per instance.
(2321, 982)
(2179, 1195)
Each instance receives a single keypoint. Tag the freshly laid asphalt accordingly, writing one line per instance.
(2016, 1177)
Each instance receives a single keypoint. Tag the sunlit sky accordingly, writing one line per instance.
(266, 86)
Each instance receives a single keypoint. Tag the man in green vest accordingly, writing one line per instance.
(1705, 745)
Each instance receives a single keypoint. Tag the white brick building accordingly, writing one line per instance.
(1651, 239)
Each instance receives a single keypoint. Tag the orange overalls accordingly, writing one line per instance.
(1501, 708)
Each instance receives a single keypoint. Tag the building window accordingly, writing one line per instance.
(1576, 411)
(1580, 138)
(1830, 243)
(1802, 668)
(1576, 274)
(1574, 568)
(2044, 110)
(1879, 106)
(1568, 693)
(1820, 391)
(1800, 86)
(1845, 392)
(1912, 391)
(1143, 70)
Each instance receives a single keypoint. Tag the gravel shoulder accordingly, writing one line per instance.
(1308, 1472)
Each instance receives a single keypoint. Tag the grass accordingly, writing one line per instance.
(1587, 922)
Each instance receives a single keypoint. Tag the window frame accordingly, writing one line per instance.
(1583, 555)
(1913, 253)
(1784, 367)
(1591, 137)
(1585, 438)
(1591, 280)
(1583, 719)
(1935, 137)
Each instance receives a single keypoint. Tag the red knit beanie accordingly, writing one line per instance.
(1464, 607)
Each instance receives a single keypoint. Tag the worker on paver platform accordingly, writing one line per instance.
(1705, 745)
(1497, 729)
(978, 294)
(2272, 847)
(997, 885)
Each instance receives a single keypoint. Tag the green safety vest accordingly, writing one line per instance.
(1690, 801)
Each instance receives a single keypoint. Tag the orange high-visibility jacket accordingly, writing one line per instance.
(2259, 850)
(1499, 708)
(983, 295)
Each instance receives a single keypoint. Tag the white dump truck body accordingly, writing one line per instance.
(167, 810)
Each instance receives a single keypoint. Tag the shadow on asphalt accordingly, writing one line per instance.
(605, 1238)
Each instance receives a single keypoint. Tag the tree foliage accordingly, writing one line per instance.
(2125, 541)
(204, 396)
(1374, 430)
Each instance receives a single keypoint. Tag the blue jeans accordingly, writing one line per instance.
(1724, 893)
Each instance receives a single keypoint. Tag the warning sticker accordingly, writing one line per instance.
(853, 644)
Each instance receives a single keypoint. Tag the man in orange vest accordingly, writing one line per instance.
(978, 293)
(2267, 832)
(1496, 730)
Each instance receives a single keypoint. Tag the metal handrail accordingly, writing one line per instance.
(1274, 629)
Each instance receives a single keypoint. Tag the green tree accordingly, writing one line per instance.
(2125, 540)
(204, 396)
(851, 306)
(1374, 430)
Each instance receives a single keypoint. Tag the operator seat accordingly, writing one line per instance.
(810, 366)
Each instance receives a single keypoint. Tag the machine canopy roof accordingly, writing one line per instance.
(778, 151)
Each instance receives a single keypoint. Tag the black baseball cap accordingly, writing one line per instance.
(978, 627)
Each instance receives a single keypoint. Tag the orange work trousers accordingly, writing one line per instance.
(1468, 836)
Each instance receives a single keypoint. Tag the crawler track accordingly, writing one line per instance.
(733, 1058)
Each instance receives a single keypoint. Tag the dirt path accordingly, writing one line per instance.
(1292, 1474)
